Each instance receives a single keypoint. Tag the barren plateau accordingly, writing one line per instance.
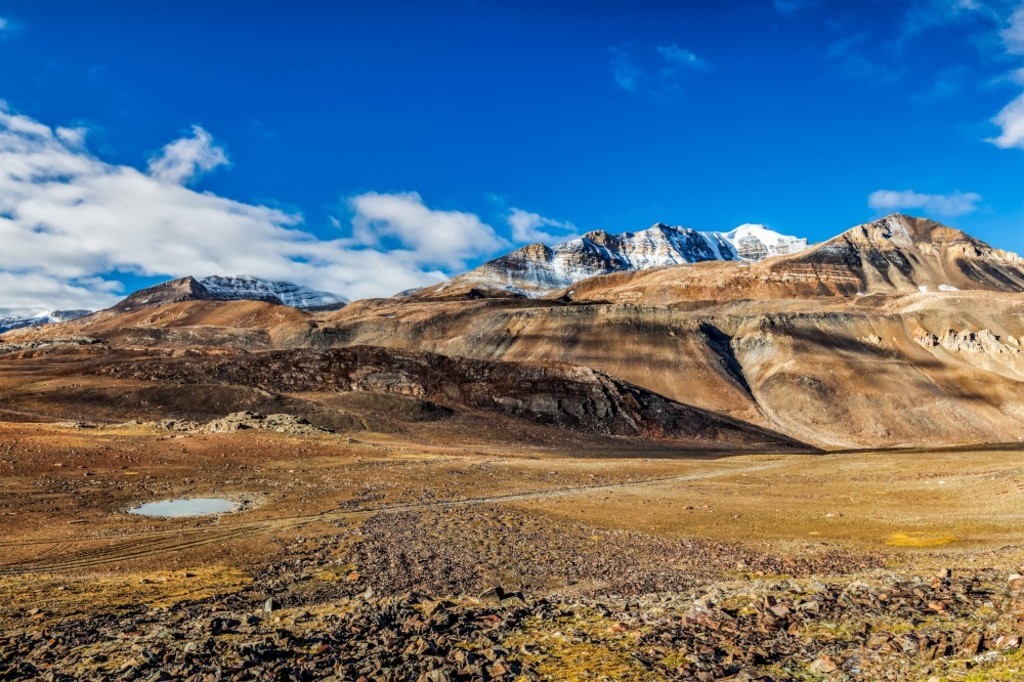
(804, 468)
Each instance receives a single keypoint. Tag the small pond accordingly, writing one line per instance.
(195, 506)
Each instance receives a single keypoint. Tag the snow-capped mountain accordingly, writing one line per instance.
(756, 242)
(18, 321)
(256, 289)
(241, 288)
(537, 269)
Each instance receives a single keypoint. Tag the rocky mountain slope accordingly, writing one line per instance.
(570, 397)
(894, 255)
(537, 269)
(896, 331)
(926, 368)
(216, 288)
(899, 331)
(186, 323)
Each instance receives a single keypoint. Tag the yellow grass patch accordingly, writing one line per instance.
(919, 540)
(55, 596)
(578, 649)
(1006, 667)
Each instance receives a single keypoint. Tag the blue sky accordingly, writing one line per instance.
(366, 146)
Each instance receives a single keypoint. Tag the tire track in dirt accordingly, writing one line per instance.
(156, 543)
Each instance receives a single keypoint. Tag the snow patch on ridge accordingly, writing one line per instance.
(535, 269)
(48, 317)
(244, 287)
(756, 242)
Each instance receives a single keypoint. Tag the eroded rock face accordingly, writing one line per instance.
(566, 396)
(1002, 354)
(241, 421)
(16, 347)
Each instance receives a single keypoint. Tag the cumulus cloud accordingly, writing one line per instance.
(1010, 118)
(35, 293)
(184, 160)
(1013, 34)
(947, 205)
(73, 137)
(71, 222)
(529, 227)
(442, 237)
(661, 76)
(1011, 121)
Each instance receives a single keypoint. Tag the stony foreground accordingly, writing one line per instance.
(960, 625)
(371, 556)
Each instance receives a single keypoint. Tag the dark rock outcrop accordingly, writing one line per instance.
(566, 396)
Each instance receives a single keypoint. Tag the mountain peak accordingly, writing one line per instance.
(247, 287)
(9, 322)
(895, 228)
(233, 288)
(904, 254)
(537, 269)
(597, 237)
(898, 230)
(756, 241)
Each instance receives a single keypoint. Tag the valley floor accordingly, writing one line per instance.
(380, 557)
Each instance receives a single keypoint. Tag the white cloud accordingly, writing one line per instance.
(184, 160)
(1011, 118)
(441, 237)
(37, 293)
(526, 228)
(625, 73)
(70, 221)
(73, 137)
(660, 77)
(677, 58)
(990, 23)
(9, 27)
(1013, 34)
(948, 205)
(1011, 122)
